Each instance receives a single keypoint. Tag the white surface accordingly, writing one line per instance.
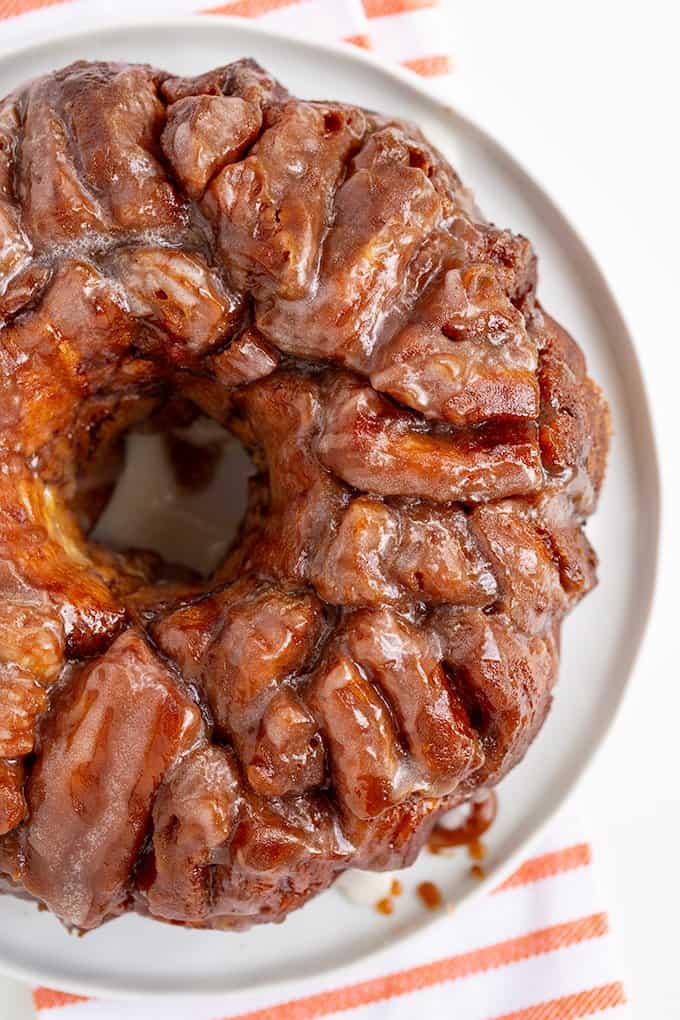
(587, 113)
(150, 510)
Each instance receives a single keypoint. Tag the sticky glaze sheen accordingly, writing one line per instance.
(381, 641)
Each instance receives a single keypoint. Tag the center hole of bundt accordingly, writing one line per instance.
(181, 493)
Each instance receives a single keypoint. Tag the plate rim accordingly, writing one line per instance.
(98, 26)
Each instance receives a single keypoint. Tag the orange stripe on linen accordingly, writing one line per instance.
(49, 998)
(11, 8)
(429, 67)
(250, 8)
(384, 8)
(453, 968)
(548, 865)
(360, 40)
(571, 1007)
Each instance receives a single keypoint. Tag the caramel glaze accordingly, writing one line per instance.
(476, 850)
(468, 833)
(381, 641)
(430, 895)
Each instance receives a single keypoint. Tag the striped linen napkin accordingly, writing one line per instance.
(538, 947)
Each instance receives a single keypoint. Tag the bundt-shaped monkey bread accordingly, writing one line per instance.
(381, 641)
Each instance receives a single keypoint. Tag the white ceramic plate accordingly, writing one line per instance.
(133, 956)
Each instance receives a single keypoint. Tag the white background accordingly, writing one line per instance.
(586, 94)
